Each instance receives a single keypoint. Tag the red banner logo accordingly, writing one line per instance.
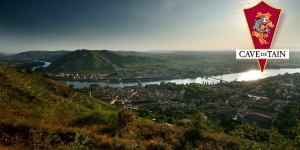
(262, 21)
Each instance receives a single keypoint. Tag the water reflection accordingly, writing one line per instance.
(256, 74)
(251, 75)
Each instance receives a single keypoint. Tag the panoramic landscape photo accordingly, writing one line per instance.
(158, 75)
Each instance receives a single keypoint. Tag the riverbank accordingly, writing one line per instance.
(243, 76)
(121, 80)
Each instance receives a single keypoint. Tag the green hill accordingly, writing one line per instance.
(34, 108)
(98, 60)
(40, 55)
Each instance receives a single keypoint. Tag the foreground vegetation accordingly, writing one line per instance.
(38, 113)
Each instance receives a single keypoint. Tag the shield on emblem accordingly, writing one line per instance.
(262, 21)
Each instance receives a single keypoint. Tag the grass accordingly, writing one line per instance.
(39, 113)
(33, 106)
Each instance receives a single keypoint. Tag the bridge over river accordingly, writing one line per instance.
(221, 79)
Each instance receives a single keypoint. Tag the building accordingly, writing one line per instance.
(262, 120)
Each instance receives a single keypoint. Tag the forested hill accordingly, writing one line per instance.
(97, 60)
(40, 55)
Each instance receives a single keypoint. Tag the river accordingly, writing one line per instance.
(45, 65)
(256, 74)
(243, 76)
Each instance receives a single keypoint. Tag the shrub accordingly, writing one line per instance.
(159, 145)
(97, 117)
(125, 116)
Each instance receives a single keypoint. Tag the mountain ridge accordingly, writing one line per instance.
(97, 60)
(41, 55)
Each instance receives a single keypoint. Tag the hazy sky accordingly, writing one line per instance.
(137, 24)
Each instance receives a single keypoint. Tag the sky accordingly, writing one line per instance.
(138, 25)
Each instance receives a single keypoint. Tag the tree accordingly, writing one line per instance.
(29, 70)
(171, 120)
(145, 113)
(162, 83)
(71, 86)
(46, 76)
(161, 118)
(198, 121)
(125, 116)
(160, 110)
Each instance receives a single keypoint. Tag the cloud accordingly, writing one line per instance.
(168, 5)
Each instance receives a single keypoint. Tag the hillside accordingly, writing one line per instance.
(136, 53)
(34, 108)
(88, 60)
(40, 55)
(39, 113)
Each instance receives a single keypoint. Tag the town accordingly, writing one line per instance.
(160, 73)
(251, 101)
(169, 72)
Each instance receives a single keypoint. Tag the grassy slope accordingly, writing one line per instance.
(36, 109)
(38, 113)
(45, 89)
